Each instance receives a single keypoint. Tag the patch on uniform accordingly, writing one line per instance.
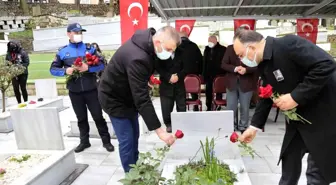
(67, 54)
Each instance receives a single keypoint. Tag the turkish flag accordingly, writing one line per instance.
(185, 26)
(133, 16)
(248, 24)
(307, 28)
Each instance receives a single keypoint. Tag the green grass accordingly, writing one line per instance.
(40, 64)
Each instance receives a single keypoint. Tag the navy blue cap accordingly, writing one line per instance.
(75, 27)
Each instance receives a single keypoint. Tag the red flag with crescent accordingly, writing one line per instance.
(185, 26)
(307, 28)
(248, 24)
(133, 16)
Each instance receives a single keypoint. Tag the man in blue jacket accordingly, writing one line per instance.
(82, 90)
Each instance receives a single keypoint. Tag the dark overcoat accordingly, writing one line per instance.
(308, 73)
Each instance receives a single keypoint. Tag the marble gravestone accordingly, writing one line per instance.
(196, 126)
(46, 88)
(37, 128)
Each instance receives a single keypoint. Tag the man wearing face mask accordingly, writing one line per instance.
(83, 90)
(305, 77)
(213, 55)
(123, 88)
(240, 83)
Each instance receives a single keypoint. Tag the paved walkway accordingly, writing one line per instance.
(105, 168)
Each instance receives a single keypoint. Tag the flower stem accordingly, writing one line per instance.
(302, 118)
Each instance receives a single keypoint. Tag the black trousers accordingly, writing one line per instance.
(20, 82)
(208, 94)
(167, 106)
(89, 100)
(292, 165)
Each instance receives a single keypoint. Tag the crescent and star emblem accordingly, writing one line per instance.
(305, 25)
(185, 26)
(130, 7)
(245, 26)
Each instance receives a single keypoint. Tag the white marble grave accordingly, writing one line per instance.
(5, 122)
(37, 128)
(57, 102)
(52, 171)
(196, 127)
(46, 88)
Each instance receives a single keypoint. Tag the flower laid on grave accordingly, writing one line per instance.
(208, 170)
(21, 105)
(267, 92)
(32, 102)
(247, 149)
(156, 85)
(20, 159)
(179, 134)
(8, 71)
(2, 172)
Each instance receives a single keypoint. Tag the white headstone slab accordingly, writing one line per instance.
(203, 122)
(46, 88)
(37, 128)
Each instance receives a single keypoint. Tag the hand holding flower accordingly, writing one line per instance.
(285, 102)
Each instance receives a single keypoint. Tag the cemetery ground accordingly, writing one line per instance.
(105, 168)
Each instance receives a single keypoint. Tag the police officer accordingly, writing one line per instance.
(82, 90)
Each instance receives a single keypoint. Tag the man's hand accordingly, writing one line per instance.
(150, 85)
(83, 68)
(248, 135)
(241, 70)
(285, 102)
(169, 139)
(69, 70)
(173, 78)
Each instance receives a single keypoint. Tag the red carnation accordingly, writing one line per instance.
(154, 80)
(96, 61)
(179, 134)
(266, 92)
(93, 57)
(78, 62)
(234, 137)
(88, 56)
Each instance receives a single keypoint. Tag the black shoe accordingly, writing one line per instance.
(169, 129)
(109, 147)
(82, 146)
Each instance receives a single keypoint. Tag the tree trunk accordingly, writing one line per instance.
(3, 101)
(24, 7)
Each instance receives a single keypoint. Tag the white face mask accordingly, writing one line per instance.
(248, 62)
(164, 55)
(211, 44)
(78, 38)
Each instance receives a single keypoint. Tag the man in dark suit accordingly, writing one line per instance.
(213, 55)
(172, 86)
(123, 88)
(305, 76)
(240, 82)
(192, 60)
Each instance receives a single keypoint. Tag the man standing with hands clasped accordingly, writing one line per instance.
(123, 89)
(305, 77)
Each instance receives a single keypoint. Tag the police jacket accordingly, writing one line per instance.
(66, 57)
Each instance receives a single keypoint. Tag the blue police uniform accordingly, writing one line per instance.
(82, 90)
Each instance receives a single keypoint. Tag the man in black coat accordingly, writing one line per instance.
(305, 76)
(172, 86)
(123, 89)
(192, 59)
(17, 55)
(213, 55)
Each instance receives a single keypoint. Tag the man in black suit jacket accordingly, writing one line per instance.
(305, 76)
(172, 86)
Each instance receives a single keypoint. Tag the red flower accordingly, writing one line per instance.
(94, 57)
(154, 80)
(266, 92)
(32, 102)
(96, 61)
(234, 137)
(90, 63)
(88, 56)
(78, 62)
(179, 134)
(2, 171)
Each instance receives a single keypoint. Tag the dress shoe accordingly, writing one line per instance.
(81, 147)
(109, 147)
(169, 129)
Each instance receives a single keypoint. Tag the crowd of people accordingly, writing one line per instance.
(303, 74)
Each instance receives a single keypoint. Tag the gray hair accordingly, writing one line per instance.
(247, 36)
(169, 32)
